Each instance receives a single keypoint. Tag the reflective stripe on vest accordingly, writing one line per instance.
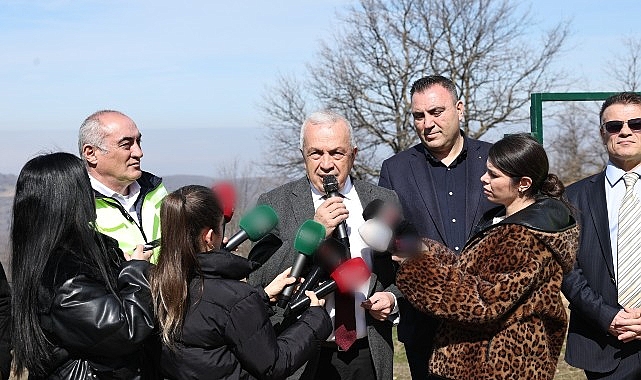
(111, 222)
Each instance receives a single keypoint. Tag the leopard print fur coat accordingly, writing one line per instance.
(499, 301)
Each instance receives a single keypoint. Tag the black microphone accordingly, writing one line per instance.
(329, 255)
(308, 237)
(346, 278)
(372, 209)
(312, 280)
(330, 185)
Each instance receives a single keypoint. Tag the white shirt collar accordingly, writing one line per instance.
(615, 174)
(100, 187)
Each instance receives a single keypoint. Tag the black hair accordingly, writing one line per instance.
(520, 155)
(53, 210)
(620, 98)
(424, 83)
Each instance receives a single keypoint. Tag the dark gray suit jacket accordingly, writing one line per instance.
(590, 286)
(409, 175)
(293, 204)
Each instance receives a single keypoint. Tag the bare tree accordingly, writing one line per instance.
(366, 69)
(575, 147)
(625, 68)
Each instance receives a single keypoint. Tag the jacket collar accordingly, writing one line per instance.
(223, 264)
(545, 214)
(147, 182)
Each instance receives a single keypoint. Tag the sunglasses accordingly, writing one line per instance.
(615, 126)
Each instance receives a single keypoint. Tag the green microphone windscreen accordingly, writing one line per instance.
(258, 222)
(309, 236)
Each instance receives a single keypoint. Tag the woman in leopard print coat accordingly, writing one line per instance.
(499, 301)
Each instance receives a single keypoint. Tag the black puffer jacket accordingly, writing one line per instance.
(227, 333)
(97, 334)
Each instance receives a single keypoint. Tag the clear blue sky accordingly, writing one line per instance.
(192, 73)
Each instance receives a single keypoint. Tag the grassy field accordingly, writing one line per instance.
(402, 372)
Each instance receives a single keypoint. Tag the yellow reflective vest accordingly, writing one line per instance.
(113, 220)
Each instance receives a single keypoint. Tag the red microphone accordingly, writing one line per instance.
(226, 193)
(348, 277)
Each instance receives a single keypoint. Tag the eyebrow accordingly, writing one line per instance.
(129, 138)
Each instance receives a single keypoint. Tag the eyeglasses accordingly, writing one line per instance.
(615, 126)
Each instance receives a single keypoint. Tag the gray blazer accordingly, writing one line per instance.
(293, 204)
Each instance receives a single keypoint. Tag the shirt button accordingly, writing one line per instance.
(456, 248)
(453, 220)
(450, 193)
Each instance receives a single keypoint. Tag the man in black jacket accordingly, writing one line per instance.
(439, 187)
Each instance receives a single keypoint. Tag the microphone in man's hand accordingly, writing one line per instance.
(253, 225)
(308, 237)
(346, 278)
(330, 185)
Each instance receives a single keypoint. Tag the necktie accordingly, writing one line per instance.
(628, 246)
(344, 320)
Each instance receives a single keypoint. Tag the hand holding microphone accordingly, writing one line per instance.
(347, 277)
(337, 211)
(331, 214)
(276, 286)
(308, 237)
(329, 255)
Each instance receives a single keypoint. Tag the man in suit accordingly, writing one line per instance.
(328, 148)
(605, 332)
(439, 187)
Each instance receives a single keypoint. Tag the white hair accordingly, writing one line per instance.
(325, 117)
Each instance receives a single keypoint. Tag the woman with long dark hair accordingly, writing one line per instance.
(213, 325)
(499, 301)
(80, 310)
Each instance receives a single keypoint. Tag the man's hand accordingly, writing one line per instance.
(380, 305)
(139, 254)
(626, 325)
(331, 213)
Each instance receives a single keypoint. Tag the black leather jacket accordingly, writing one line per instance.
(97, 333)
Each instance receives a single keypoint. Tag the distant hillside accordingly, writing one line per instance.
(173, 182)
(7, 184)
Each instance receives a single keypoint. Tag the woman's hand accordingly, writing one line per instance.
(314, 301)
(139, 254)
(276, 286)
